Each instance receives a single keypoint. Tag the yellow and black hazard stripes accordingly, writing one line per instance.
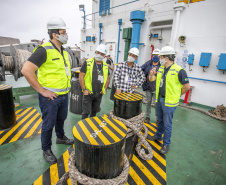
(152, 171)
(28, 123)
(99, 131)
(128, 96)
(141, 172)
(56, 171)
(3, 87)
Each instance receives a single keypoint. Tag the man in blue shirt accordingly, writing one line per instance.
(149, 87)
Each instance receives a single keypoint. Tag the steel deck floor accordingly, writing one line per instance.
(197, 154)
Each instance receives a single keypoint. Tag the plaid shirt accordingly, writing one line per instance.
(135, 74)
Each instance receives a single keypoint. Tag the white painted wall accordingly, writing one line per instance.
(202, 23)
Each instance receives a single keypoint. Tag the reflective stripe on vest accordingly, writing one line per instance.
(172, 83)
(57, 90)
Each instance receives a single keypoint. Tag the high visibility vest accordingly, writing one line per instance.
(89, 74)
(173, 85)
(52, 74)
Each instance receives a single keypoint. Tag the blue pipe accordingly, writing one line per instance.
(207, 80)
(137, 17)
(115, 7)
(100, 26)
(119, 29)
(84, 21)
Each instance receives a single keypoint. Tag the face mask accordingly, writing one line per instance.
(98, 57)
(130, 59)
(155, 58)
(63, 38)
(162, 62)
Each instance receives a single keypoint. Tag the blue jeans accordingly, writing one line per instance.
(54, 113)
(165, 116)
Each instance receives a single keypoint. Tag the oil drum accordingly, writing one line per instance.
(99, 147)
(7, 112)
(76, 93)
(127, 105)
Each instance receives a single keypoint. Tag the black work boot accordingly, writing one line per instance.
(49, 157)
(164, 149)
(154, 138)
(147, 120)
(64, 140)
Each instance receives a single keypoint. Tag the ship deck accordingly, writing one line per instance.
(197, 153)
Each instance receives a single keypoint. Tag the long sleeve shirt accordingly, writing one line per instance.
(126, 77)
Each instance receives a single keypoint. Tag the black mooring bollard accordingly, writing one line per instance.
(7, 112)
(99, 147)
(76, 93)
(126, 106)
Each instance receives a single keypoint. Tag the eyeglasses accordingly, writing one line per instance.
(102, 54)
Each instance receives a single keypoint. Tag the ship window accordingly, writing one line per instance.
(104, 7)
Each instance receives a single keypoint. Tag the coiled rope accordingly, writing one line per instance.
(75, 175)
(21, 57)
(192, 108)
(135, 124)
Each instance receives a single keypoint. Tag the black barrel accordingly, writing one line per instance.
(99, 147)
(7, 112)
(127, 105)
(76, 93)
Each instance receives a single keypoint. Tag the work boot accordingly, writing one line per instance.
(64, 140)
(49, 157)
(154, 138)
(164, 149)
(147, 120)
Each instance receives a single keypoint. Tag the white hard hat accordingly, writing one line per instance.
(156, 51)
(56, 23)
(134, 51)
(167, 50)
(102, 48)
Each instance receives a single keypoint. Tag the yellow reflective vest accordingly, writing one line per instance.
(89, 74)
(173, 85)
(54, 74)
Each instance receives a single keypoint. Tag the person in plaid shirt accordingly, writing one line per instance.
(128, 75)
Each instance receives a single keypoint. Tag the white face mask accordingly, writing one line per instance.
(63, 38)
(162, 62)
(98, 57)
(131, 59)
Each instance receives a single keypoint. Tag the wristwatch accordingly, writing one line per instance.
(84, 90)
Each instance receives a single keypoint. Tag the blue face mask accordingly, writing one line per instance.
(155, 58)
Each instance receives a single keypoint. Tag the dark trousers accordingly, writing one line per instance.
(54, 113)
(90, 105)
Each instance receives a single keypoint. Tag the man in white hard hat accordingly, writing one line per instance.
(94, 80)
(52, 84)
(171, 83)
(128, 75)
(147, 86)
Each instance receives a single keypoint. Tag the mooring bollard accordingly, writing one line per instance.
(99, 147)
(7, 112)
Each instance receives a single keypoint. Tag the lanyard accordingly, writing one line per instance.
(99, 71)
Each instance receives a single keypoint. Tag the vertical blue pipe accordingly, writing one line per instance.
(137, 17)
(84, 21)
(100, 26)
(119, 29)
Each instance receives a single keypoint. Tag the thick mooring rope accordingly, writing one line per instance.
(75, 175)
(136, 124)
(21, 56)
(192, 108)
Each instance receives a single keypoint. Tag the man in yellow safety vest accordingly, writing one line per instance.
(171, 83)
(52, 84)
